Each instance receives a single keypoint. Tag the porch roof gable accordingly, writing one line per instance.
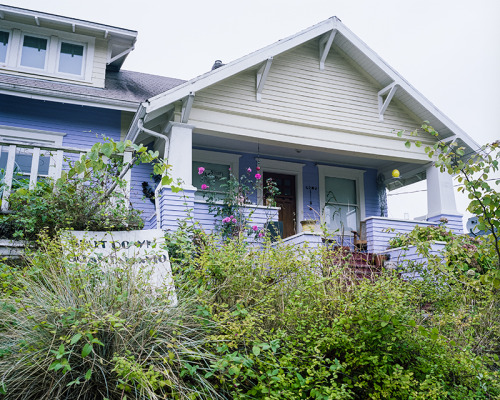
(330, 31)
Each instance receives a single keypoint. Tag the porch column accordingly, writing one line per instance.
(441, 199)
(178, 206)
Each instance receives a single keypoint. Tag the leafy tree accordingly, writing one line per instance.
(474, 172)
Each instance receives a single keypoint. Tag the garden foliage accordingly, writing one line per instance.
(88, 196)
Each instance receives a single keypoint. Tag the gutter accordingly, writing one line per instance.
(135, 129)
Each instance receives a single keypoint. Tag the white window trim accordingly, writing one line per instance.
(216, 157)
(20, 53)
(9, 47)
(287, 168)
(347, 173)
(33, 137)
(14, 50)
(84, 59)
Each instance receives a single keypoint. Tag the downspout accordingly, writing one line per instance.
(140, 126)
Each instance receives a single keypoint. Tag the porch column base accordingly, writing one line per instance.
(454, 222)
(175, 207)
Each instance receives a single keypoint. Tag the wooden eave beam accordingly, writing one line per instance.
(262, 76)
(325, 45)
(123, 53)
(187, 105)
(383, 104)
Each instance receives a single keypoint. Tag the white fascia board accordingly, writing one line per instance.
(405, 85)
(69, 98)
(41, 16)
(239, 65)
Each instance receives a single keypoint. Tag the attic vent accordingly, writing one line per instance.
(217, 64)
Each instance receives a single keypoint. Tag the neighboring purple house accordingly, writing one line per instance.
(316, 111)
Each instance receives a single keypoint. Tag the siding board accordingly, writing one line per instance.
(297, 92)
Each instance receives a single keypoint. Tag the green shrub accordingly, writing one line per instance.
(290, 325)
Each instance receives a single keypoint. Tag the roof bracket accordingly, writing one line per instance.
(325, 45)
(37, 21)
(122, 54)
(262, 76)
(187, 104)
(383, 104)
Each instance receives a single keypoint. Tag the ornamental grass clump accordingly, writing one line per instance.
(76, 331)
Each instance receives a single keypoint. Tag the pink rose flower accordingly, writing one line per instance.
(204, 187)
(258, 176)
(258, 168)
(201, 170)
(234, 220)
(261, 233)
(249, 169)
(255, 228)
(226, 220)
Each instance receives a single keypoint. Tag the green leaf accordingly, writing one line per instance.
(86, 350)
(107, 149)
(76, 338)
(407, 144)
(412, 323)
(88, 374)
(256, 350)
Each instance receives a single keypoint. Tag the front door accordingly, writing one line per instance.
(286, 200)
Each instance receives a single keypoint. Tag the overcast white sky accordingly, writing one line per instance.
(449, 50)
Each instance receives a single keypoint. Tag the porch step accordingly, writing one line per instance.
(361, 265)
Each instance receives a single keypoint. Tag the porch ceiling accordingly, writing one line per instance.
(410, 172)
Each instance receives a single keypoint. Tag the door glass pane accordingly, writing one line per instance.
(214, 176)
(341, 205)
(34, 52)
(340, 190)
(71, 58)
(4, 41)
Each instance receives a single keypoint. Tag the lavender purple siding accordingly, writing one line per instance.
(83, 125)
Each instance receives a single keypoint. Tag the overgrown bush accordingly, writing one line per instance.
(88, 196)
(291, 325)
(462, 254)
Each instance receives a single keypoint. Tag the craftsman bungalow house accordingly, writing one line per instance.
(317, 112)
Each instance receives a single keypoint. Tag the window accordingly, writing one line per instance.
(215, 176)
(39, 50)
(34, 52)
(4, 41)
(217, 169)
(341, 204)
(342, 198)
(71, 58)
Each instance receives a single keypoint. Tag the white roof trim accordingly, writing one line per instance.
(253, 59)
(73, 22)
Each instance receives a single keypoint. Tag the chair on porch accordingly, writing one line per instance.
(360, 241)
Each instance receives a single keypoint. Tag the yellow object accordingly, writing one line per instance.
(395, 173)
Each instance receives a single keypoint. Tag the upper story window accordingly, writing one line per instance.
(4, 42)
(71, 58)
(34, 52)
(28, 49)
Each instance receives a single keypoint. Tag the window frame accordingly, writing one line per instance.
(9, 46)
(84, 58)
(20, 51)
(357, 175)
(216, 157)
(17, 32)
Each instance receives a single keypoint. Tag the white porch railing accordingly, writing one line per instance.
(56, 156)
